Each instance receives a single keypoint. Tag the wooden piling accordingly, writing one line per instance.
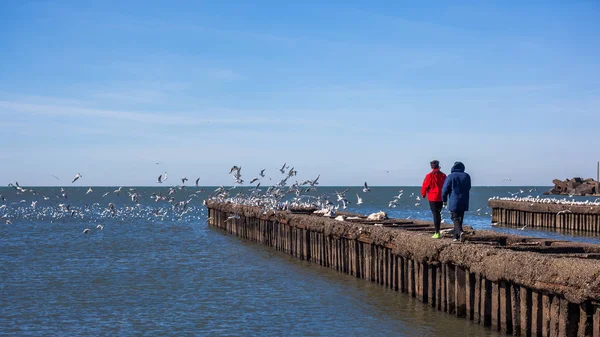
(561, 217)
(451, 285)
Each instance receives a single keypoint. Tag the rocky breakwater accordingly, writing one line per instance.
(575, 186)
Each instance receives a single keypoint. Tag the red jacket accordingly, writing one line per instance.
(432, 185)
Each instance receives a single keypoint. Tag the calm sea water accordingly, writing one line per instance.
(152, 272)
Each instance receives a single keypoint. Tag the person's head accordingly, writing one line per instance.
(435, 164)
(458, 167)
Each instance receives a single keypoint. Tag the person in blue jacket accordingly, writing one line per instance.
(457, 186)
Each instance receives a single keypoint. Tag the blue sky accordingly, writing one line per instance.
(348, 90)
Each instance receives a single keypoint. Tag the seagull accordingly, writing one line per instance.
(197, 180)
(565, 211)
(8, 222)
(100, 227)
(89, 191)
(183, 180)
(33, 203)
(105, 194)
(262, 173)
(55, 177)
(253, 180)
(165, 176)
(359, 199)
(522, 228)
(85, 231)
(366, 188)
(76, 177)
(118, 191)
(233, 217)
(159, 179)
(282, 169)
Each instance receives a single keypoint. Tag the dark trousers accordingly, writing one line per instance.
(436, 210)
(457, 218)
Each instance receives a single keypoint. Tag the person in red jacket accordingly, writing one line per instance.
(432, 189)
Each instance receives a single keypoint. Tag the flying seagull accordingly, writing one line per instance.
(197, 180)
(76, 177)
(55, 177)
(366, 188)
(359, 199)
(159, 180)
(183, 180)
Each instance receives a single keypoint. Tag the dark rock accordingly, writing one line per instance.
(572, 185)
(584, 189)
(560, 185)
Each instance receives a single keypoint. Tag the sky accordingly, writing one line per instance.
(354, 91)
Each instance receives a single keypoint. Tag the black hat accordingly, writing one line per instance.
(435, 164)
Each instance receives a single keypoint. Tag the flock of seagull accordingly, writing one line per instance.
(177, 202)
(556, 201)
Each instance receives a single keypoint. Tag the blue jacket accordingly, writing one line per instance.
(457, 186)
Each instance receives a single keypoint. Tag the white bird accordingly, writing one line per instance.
(85, 231)
(565, 211)
(33, 203)
(159, 179)
(360, 201)
(76, 177)
(366, 188)
(233, 217)
(89, 191)
(165, 176)
(100, 227)
(105, 194)
(522, 228)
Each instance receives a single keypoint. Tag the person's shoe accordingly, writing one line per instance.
(436, 236)
(462, 237)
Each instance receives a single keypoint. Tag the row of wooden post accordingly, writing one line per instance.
(500, 305)
(556, 221)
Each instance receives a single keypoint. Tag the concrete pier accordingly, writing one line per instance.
(522, 286)
(583, 218)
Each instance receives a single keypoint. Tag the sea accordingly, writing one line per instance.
(146, 269)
